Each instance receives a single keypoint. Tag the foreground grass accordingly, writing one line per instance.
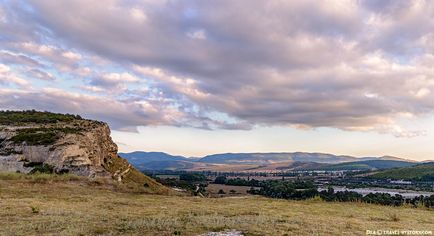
(74, 206)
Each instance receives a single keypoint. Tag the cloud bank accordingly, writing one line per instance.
(351, 65)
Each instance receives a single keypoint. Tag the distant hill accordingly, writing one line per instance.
(423, 171)
(364, 165)
(157, 161)
(260, 161)
(267, 158)
(146, 157)
(167, 165)
(298, 165)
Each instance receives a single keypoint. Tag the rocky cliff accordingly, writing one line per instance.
(40, 141)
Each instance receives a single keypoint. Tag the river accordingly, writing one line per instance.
(366, 191)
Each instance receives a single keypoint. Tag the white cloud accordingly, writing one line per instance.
(422, 92)
(8, 77)
(72, 55)
(4, 69)
(119, 77)
(138, 14)
(185, 86)
(197, 34)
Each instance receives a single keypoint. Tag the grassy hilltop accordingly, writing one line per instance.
(424, 172)
(68, 205)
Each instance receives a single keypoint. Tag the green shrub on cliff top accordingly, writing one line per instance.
(32, 116)
(42, 136)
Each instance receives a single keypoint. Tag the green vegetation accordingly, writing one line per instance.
(42, 136)
(377, 198)
(213, 189)
(352, 183)
(132, 179)
(237, 181)
(35, 137)
(221, 191)
(194, 183)
(35, 210)
(288, 190)
(243, 182)
(193, 177)
(364, 165)
(40, 168)
(32, 116)
(422, 172)
(39, 177)
(220, 179)
(300, 190)
(78, 207)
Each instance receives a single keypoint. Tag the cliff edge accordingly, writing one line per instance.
(33, 141)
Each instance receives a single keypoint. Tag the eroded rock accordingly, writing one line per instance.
(81, 147)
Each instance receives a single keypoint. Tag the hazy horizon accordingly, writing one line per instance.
(271, 152)
(195, 77)
(198, 143)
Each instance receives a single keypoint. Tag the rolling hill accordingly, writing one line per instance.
(364, 165)
(267, 158)
(261, 162)
(145, 157)
(424, 172)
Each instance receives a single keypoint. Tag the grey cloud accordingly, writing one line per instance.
(305, 63)
(19, 59)
(40, 74)
(117, 113)
(120, 114)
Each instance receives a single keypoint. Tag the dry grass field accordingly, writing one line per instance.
(213, 189)
(46, 205)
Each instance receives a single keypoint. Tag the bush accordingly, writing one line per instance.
(221, 191)
(34, 137)
(41, 136)
(35, 210)
(220, 180)
(192, 177)
(288, 190)
(32, 116)
(41, 168)
(243, 182)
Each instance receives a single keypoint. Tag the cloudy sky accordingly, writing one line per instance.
(200, 77)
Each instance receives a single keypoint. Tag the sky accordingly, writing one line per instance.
(196, 77)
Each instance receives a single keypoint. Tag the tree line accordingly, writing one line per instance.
(300, 190)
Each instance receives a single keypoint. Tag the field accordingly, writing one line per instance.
(214, 189)
(168, 176)
(44, 205)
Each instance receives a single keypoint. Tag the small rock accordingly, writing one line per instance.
(224, 233)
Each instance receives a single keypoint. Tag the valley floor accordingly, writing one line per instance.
(78, 207)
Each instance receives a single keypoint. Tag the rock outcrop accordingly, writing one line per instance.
(80, 147)
(32, 141)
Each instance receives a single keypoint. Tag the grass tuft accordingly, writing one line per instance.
(35, 210)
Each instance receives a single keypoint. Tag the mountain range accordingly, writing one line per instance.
(261, 161)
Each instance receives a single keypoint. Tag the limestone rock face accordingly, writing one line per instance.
(81, 147)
